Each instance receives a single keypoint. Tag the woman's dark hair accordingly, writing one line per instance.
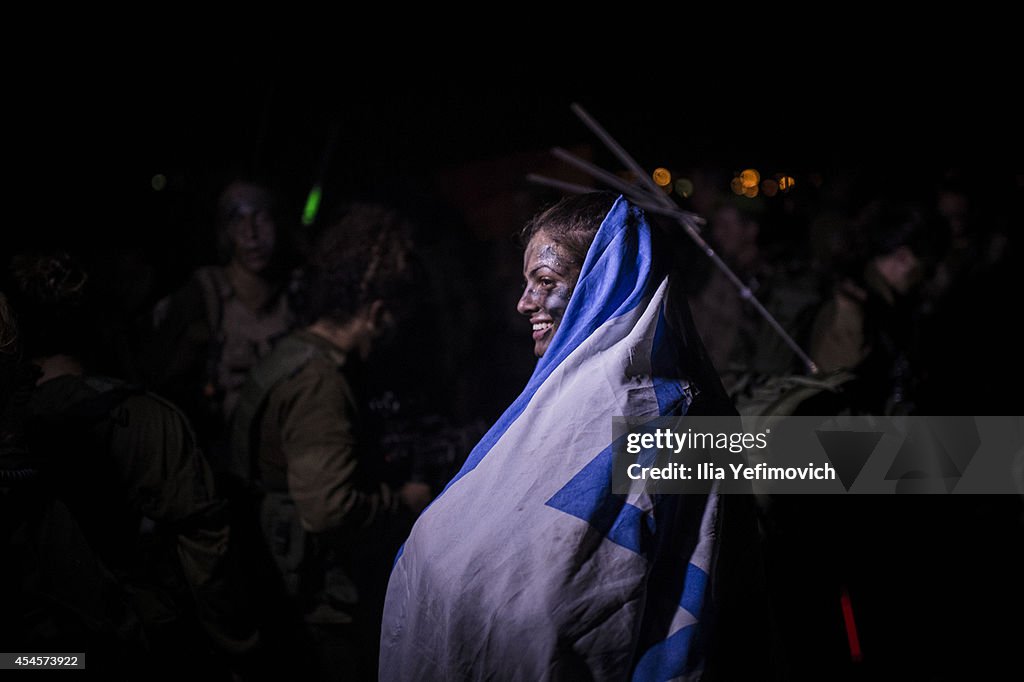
(881, 227)
(890, 225)
(364, 256)
(572, 222)
(50, 295)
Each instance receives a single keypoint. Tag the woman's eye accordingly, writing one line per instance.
(547, 281)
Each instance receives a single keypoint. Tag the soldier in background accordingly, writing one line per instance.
(301, 440)
(210, 333)
(869, 325)
(127, 466)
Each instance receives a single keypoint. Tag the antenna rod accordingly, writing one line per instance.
(687, 220)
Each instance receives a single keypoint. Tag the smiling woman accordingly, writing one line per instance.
(528, 565)
(557, 241)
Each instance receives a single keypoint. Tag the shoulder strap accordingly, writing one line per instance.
(214, 288)
(107, 394)
(288, 357)
(215, 291)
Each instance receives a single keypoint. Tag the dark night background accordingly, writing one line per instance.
(452, 148)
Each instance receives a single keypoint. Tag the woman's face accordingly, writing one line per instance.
(550, 277)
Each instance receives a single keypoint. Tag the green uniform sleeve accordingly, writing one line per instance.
(315, 412)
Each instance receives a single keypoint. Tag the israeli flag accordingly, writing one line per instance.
(527, 566)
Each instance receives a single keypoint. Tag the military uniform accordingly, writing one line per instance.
(329, 520)
(205, 341)
(126, 464)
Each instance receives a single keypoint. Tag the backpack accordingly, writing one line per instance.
(59, 594)
(791, 394)
(289, 356)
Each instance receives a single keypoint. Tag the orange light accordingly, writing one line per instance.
(750, 192)
(736, 185)
(786, 183)
(750, 178)
(661, 177)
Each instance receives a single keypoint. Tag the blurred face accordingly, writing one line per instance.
(735, 236)
(901, 269)
(249, 225)
(953, 207)
(550, 277)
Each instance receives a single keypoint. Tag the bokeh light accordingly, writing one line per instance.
(684, 187)
(662, 177)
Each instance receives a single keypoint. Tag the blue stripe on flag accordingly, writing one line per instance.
(633, 529)
(669, 658)
(672, 392)
(693, 590)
